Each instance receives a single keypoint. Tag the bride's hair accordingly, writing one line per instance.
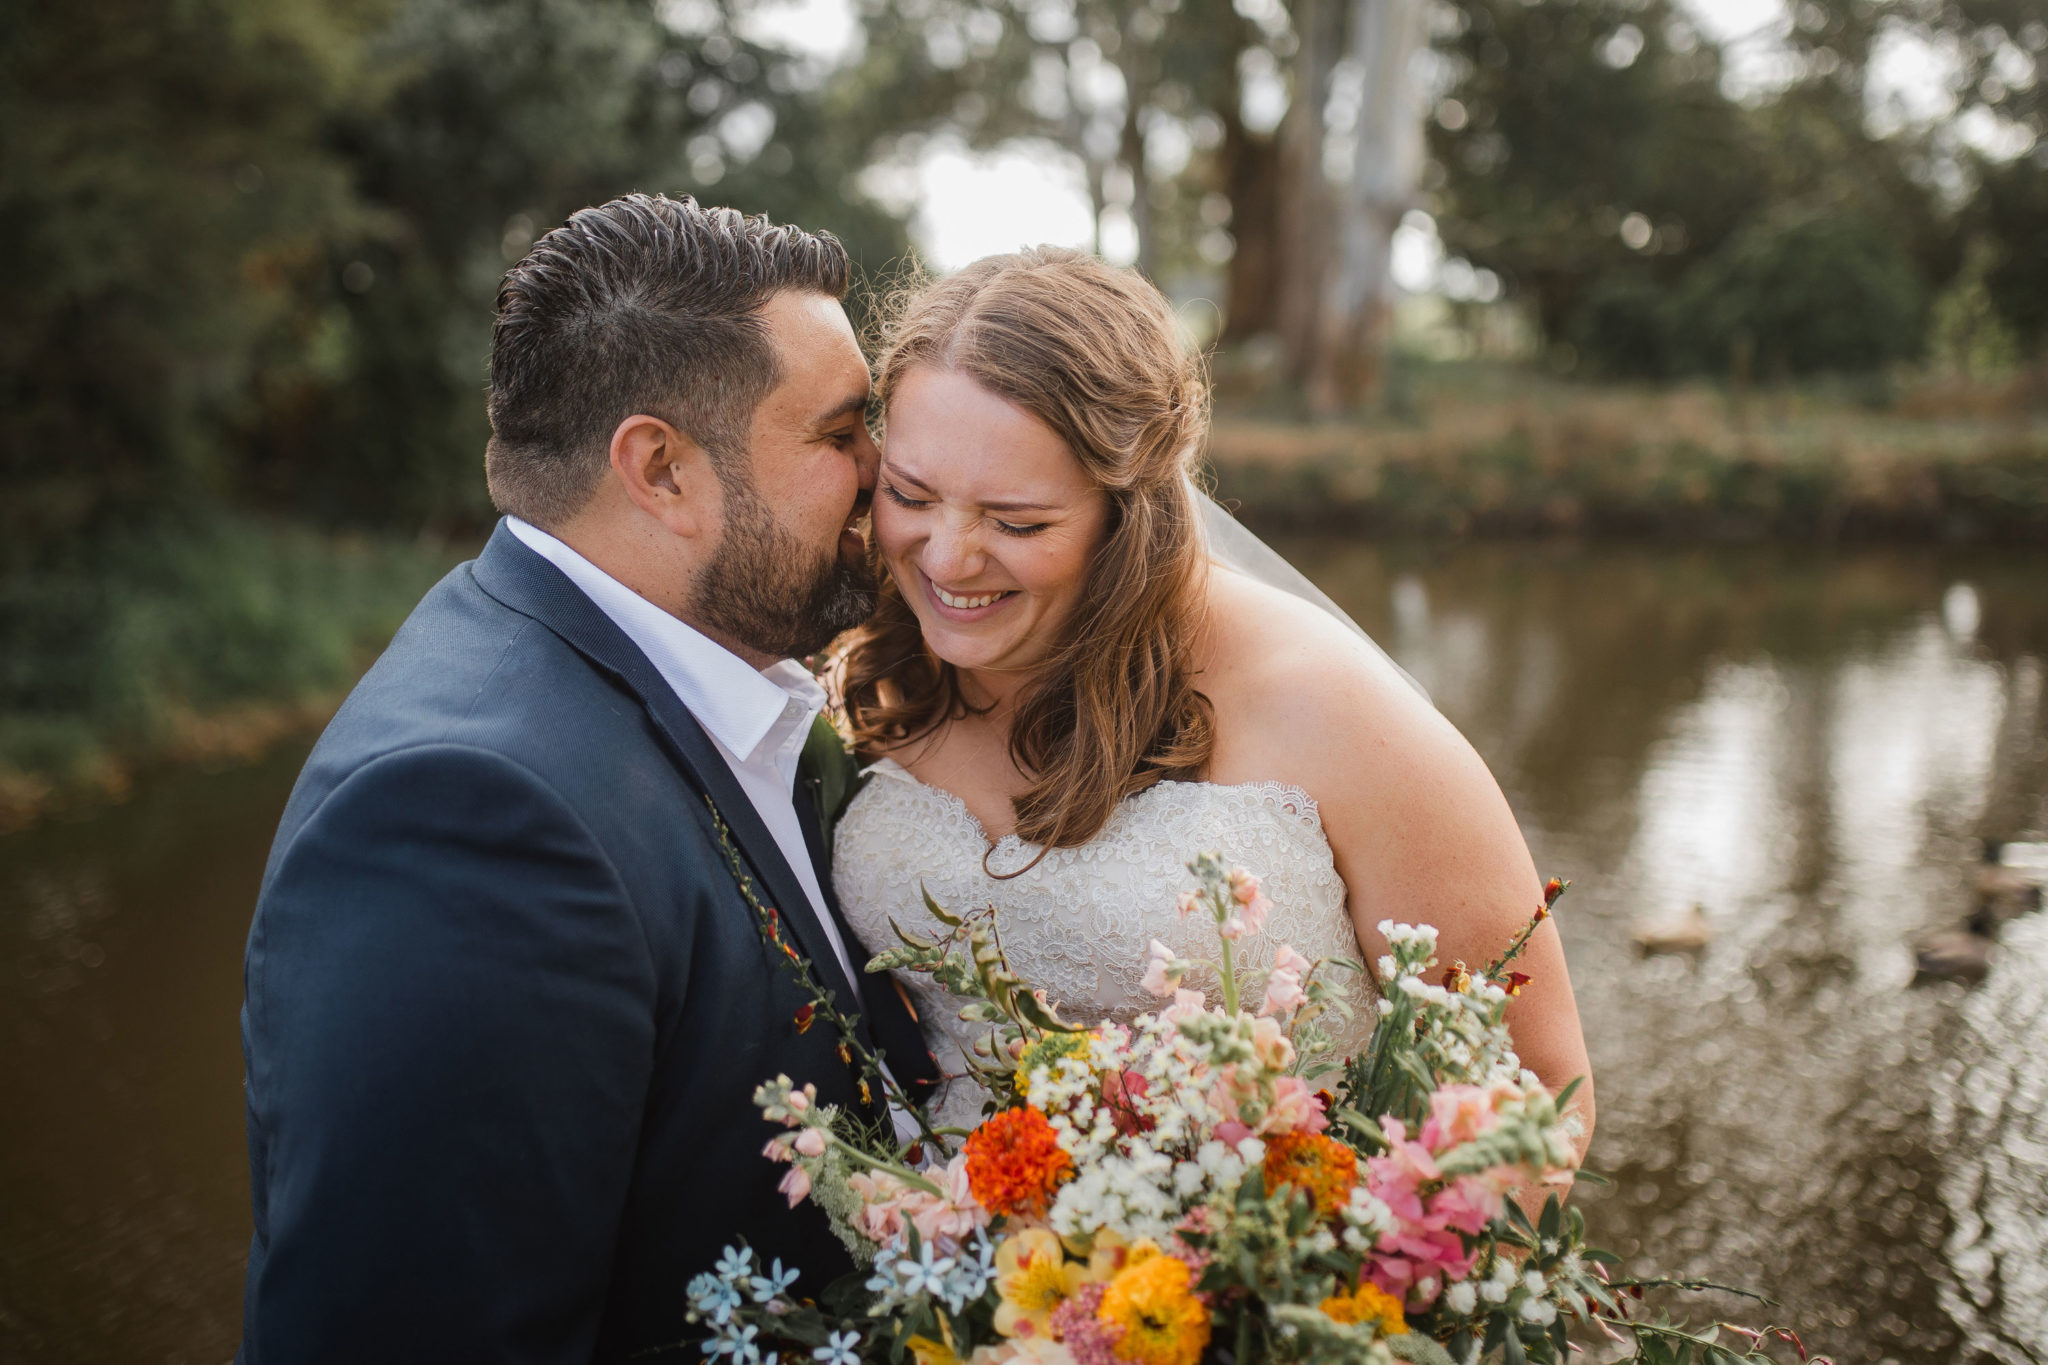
(1096, 354)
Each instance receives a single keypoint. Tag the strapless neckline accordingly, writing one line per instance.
(1296, 800)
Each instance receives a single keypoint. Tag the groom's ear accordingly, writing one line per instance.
(666, 475)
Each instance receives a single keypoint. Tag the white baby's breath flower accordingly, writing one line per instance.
(1462, 1297)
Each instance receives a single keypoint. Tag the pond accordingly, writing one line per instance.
(1808, 747)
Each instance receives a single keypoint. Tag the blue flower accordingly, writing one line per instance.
(737, 1263)
(766, 1287)
(927, 1274)
(736, 1341)
(714, 1298)
(839, 1349)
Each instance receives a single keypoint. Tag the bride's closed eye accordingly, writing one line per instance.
(904, 500)
(901, 499)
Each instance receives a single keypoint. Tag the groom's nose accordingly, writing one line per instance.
(866, 459)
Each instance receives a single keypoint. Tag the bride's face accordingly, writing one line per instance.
(985, 519)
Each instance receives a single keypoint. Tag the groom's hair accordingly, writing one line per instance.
(642, 305)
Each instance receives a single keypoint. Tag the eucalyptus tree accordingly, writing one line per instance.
(1135, 92)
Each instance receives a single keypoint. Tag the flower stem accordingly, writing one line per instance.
(873, 1163)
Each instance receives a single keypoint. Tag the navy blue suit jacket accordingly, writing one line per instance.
(505, 1009)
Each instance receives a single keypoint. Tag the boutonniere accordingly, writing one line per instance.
(830, 772)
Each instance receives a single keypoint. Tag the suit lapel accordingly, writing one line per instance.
(528, 584)
(886, 1009)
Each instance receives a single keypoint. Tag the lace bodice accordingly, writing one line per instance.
(1079, 924)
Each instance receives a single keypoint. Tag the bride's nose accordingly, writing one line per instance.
(953, 553)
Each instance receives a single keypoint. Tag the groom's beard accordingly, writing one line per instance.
(770, 592)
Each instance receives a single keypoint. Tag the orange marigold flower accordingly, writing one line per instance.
(1321, 1167)
(1368, 1303)
(1015, 1164)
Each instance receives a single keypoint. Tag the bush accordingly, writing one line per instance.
(1802, 294)
(103, 651)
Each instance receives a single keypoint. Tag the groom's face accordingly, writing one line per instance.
(791, 571)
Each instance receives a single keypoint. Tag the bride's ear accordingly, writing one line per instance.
(666, 475)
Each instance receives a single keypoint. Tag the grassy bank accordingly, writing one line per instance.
(204, 642)
(1519, 456)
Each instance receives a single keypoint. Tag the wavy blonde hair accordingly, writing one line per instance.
(1095, 353)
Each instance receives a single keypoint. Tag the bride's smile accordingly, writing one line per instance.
(986, 521)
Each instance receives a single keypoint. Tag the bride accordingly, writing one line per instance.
(1066, 692)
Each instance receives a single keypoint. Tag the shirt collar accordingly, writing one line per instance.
(737, 704)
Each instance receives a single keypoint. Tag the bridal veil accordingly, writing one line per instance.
(1231, 545)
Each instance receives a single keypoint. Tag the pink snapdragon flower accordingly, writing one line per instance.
(1237, 1094)
(1283, 984)
(888, 1203)
(1424, 1251)
(1244, 889)
(1160, 979)
(1461, 1113)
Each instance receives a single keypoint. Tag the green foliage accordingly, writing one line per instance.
(164, 189)
(107, 653)
(1789, 295)
(257, 241)
(2010, 213)
(1590, 156)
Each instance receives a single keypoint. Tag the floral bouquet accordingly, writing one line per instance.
(1204, 1183)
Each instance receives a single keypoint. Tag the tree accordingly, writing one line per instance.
(257, 241)
(1130, 90)
(1590, 156)
(1342, 292)
(164, 189)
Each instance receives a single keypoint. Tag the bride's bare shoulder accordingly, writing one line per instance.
(1282, 673)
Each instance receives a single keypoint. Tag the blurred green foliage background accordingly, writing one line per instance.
(251, 248)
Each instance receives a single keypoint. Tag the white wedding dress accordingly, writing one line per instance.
(1080, 923)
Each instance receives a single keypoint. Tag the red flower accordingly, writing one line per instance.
(805, 1015)
(1517, 980)
(1121, 1091)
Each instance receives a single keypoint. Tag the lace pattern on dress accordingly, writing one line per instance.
(1079, 924)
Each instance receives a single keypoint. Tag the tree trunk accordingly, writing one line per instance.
(1305, 238)
(1133, 156)
(1359, 295)
(1251, 181)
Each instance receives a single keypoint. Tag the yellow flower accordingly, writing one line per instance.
(929, 1352)
(1368, 1303)
(1033, 1276)
(1152, 1298)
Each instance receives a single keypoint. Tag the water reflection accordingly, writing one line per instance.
(1990, 1112)
(124, 1208)
(1808, 750)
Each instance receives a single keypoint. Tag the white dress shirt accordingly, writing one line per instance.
(757, 718)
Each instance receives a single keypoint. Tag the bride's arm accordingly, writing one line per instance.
(1418, 826)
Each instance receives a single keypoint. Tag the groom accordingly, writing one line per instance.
(505, 1006)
